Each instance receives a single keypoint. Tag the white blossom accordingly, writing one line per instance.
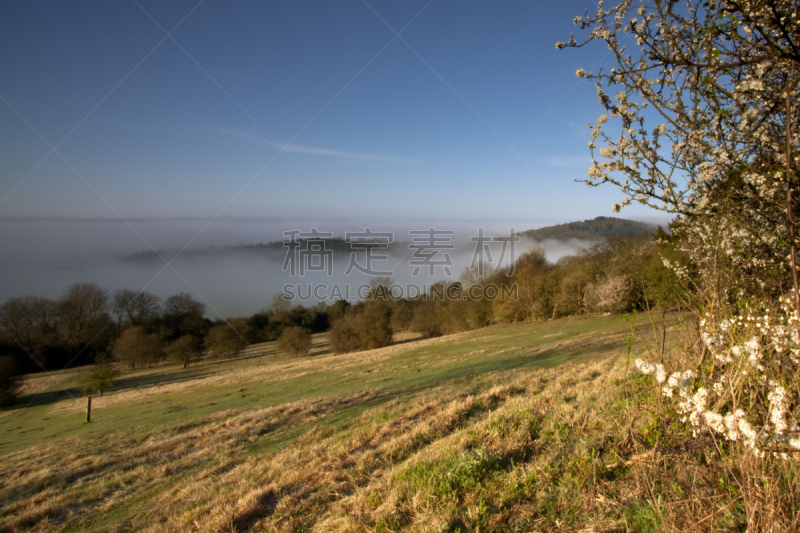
(705, 401)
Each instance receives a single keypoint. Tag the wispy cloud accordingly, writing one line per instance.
(312, 150)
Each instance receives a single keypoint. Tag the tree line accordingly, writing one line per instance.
(613, 276)
(135, 329)
(89, 325)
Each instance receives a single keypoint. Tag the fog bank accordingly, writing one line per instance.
(43, 257)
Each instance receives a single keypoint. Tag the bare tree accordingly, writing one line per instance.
(46, 311)
(183, 303)
(18, 320)
(83, 315)
(281, 303)
(146, 307)
(134, 308)
(183, 315)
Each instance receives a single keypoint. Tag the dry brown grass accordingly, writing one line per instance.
(579, 447)
(201, 477)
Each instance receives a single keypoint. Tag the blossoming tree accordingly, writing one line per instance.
(703, 125)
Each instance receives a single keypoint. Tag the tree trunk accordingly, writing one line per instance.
(789, 191)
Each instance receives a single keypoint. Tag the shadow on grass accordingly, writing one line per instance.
(156, 379)
(547, 358)
(198, 369)
(323, 348)
(415, 339)
(398, 385)
(409, 385)
(47, 397)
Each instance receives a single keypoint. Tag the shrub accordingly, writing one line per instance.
(748, 393)
(375, 326)
(344, 335)
(183, 350)
(402, 314)
(295, 341)
(426, 320)
(224, 342)
(612, 295)
(136, 347)
(743, 398)
(102, 377)
(366, 327)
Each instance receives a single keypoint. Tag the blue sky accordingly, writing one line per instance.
(298, 111)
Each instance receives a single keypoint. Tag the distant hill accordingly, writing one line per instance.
(333, 244)
(591, 230)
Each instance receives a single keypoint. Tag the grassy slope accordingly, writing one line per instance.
(476, 431)
(147, 400)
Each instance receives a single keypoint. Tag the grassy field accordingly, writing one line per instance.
(499, 429)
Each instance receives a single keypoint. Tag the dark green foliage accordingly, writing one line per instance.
(9, 381)
(661, 282)
(100, 378)
(591, 230)
(258, 327)
(283, 316)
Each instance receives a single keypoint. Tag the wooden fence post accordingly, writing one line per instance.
(88, 409)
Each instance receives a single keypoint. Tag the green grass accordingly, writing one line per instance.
(491, 350)
(477, 431)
